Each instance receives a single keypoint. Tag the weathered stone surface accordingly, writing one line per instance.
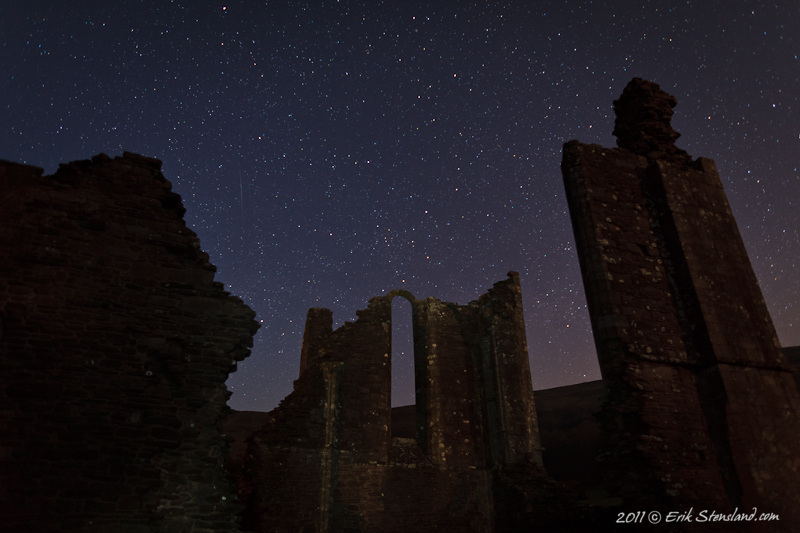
(115, 344)
(702, 404)
(642, 125)
(326, 459)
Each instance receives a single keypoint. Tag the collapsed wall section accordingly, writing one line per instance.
(115, 345)
(702, 402)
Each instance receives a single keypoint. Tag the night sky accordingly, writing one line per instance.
(329, 152)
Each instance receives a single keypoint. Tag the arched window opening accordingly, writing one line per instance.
(403, 386)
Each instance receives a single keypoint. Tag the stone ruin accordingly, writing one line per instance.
(115, 344)
(326, 458)
(702, 408)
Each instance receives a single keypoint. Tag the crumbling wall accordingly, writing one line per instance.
(326, 460)
(702, 403)
(115, 345)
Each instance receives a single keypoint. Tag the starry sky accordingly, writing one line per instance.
(328, 152)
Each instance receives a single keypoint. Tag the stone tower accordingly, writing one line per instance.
(702, 404)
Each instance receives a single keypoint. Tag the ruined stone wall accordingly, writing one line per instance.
(702, 403)
(115, 344)
(326, 460)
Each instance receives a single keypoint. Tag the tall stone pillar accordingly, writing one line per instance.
(507, 375)
(702, 402)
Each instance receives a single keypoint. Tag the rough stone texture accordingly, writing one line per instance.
(326, 459)
(115, 345)
(702, 405)
(642, 125)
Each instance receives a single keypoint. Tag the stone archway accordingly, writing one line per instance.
(404, 382)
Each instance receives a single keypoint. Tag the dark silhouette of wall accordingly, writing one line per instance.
(115, 344)
(326, 459)
(702, 405)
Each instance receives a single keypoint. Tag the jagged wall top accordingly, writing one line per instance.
(642, 125)
(115, 344)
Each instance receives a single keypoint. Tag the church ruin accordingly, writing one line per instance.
(115, 344)
(326, 459)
